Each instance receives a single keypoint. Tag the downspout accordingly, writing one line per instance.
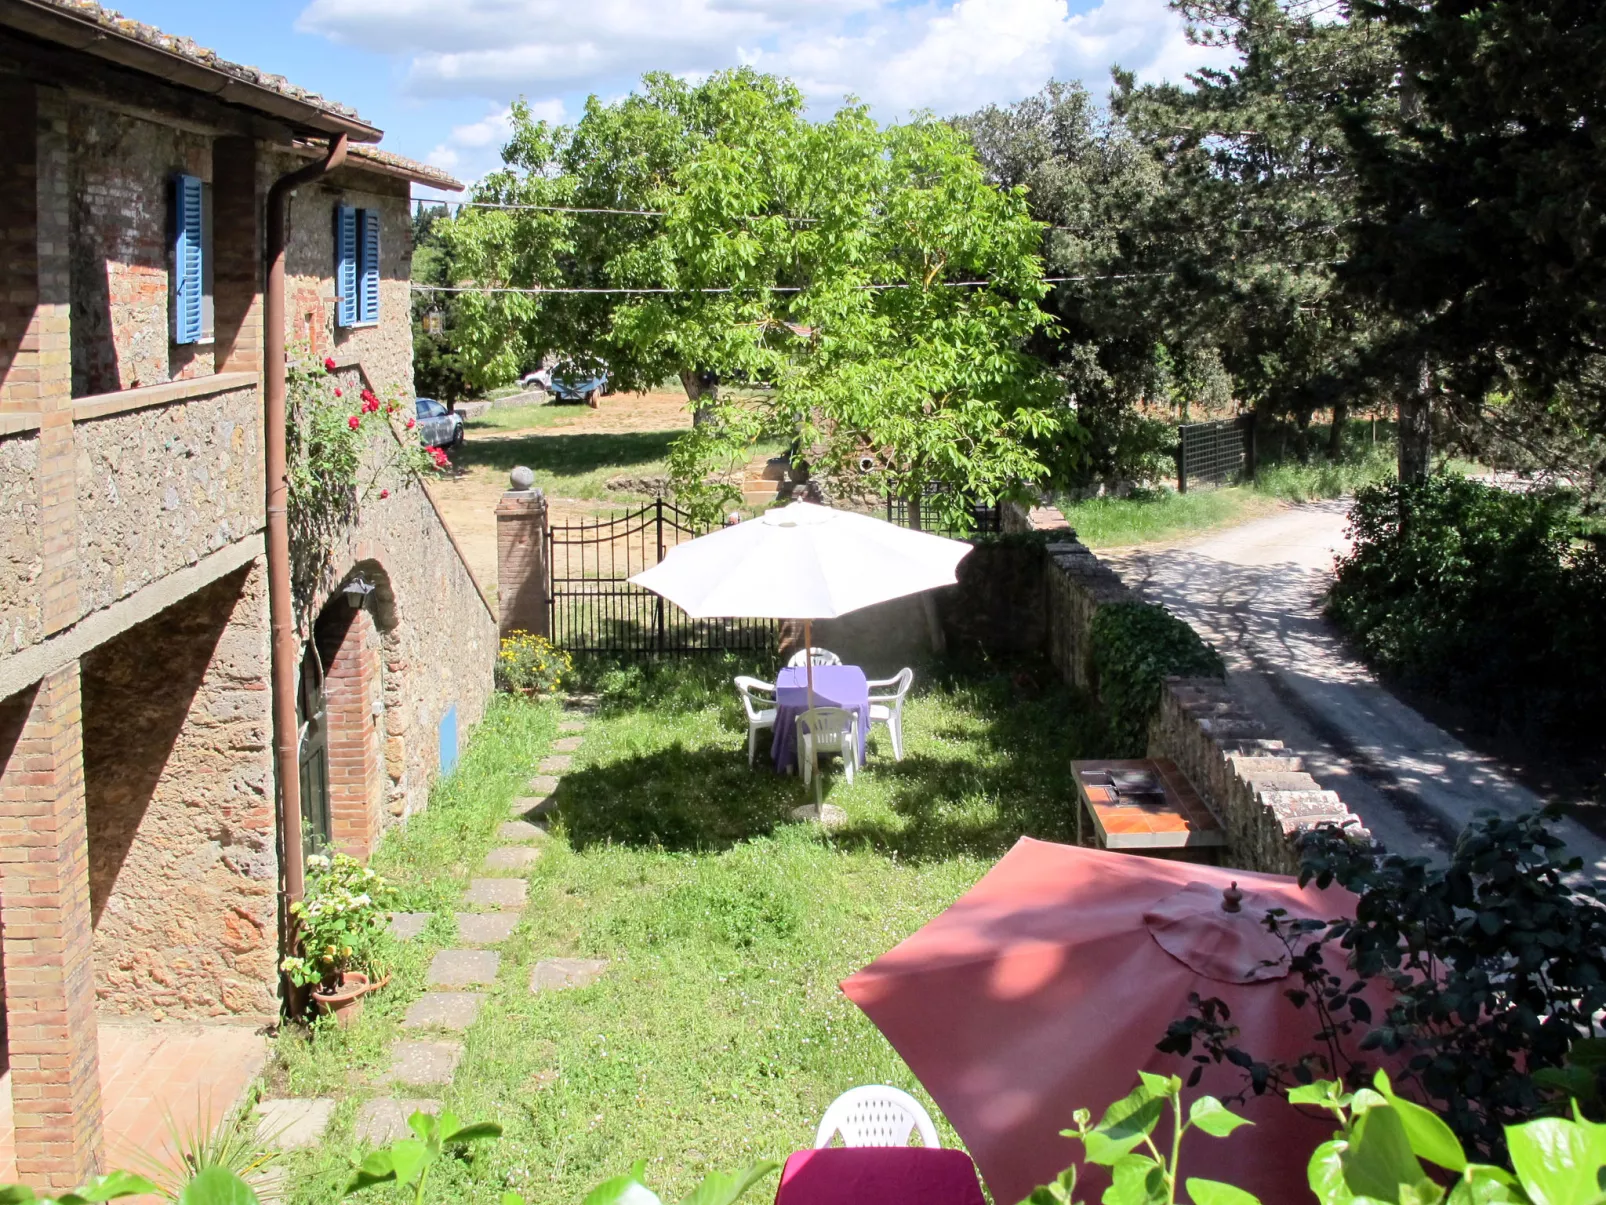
(281, 616)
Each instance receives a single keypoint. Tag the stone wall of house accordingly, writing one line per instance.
(438, 633)
(160, 488)
(121, 190)
(385, 350)
(21, 553)
(178, 785)
(1259, 790)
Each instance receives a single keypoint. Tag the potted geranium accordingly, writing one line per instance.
(342, 925)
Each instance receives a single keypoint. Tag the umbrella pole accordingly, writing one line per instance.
(808, 660)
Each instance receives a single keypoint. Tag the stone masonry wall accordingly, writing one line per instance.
(386, 349)
(1258, 789)
(121, 232)
(21, 549)
(162, 487)
(439, 636)
(178, 779)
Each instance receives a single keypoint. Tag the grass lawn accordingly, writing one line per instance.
(718, 1034)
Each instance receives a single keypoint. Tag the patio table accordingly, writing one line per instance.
(834, 686)
(879, 1175)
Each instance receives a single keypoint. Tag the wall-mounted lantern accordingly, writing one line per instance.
(357, 591)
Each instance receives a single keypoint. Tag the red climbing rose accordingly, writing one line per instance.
(354, 421)
(329, 364)
(338, 392)
(384, 493)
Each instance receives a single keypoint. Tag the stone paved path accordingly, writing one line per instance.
(492, 908)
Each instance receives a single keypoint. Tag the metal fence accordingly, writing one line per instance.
(1211, 453)
(985, 517)
(593, 608)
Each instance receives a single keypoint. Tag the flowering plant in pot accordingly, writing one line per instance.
(342, 925)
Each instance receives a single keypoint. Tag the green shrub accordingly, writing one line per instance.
(1483, 595)
(530, 665)
(1136, 646)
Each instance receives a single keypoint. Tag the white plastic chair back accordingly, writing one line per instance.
(900, 685)
(875, 1115)
(745, 687)
(831, 728)
(819, 656)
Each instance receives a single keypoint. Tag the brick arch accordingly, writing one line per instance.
(363, 693)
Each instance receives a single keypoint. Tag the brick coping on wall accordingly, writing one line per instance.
(1257, 788)
(103, 405)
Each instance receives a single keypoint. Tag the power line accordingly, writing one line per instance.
(642, 213)
(538, 290)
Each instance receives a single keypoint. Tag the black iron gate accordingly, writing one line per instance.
(985, 518)
(593, 608)
(1211, 453)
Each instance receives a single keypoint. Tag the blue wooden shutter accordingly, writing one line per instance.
(368, 289)
(189, 262)
(345, 265)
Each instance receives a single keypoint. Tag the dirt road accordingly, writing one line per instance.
(1255, 592)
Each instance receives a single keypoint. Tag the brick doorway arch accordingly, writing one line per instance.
(349, 640)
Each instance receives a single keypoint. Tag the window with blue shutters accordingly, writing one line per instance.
(345, 265)
(189, 260)
(368, 266)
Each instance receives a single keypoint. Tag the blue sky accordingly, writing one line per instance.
(437, 75)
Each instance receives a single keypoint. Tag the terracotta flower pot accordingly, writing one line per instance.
(344, 1002)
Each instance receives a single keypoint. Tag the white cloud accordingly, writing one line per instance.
(946, 55)
(476, 143)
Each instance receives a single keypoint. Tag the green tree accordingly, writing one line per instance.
(437, 365)
(1479, 226)
(872, 279)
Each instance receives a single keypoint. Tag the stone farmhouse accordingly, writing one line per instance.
(149, 840)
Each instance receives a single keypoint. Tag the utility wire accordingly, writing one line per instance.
(486, 290)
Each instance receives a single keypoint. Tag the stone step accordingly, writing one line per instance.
(542, 785)
(404, 926)
(558, 763)
(571, 725)
(486, 928)
(443, 1010)
(534, 806)
(555, 974)
(512, 857)
(567, 744)
(422, 1062)
(293, 1123)
(495, 893)
(383, 1119)
(521, 830)
(464, 968)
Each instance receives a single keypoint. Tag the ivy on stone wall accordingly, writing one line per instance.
(1136, 647)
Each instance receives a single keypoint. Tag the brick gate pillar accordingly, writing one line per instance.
(46, 929)
(522, 585)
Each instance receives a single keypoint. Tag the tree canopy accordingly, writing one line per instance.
(870, 278)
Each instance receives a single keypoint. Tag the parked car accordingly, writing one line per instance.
(438, 427)
(541, 378)
(585, 389)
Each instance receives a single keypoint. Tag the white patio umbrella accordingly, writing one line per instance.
(803, 562)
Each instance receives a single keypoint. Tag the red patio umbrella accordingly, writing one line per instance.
(1045, 987)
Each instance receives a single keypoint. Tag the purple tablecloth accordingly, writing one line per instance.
(834, 686)
(879, 1175)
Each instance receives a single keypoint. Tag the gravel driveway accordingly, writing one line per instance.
(1255, 592)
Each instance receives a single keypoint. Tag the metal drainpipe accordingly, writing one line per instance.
(286, 754)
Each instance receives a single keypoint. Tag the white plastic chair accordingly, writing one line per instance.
(819, 656)
(760, 710)
(888, 709)
(875, 1115)
(827, 730)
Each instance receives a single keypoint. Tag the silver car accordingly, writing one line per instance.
(438, 427)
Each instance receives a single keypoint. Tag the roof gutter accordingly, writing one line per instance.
(281, 617)
(64, 28)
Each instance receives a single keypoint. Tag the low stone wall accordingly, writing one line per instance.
(1251, 781)
(1259, 790)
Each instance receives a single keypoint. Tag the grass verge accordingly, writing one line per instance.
(718, 1034)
